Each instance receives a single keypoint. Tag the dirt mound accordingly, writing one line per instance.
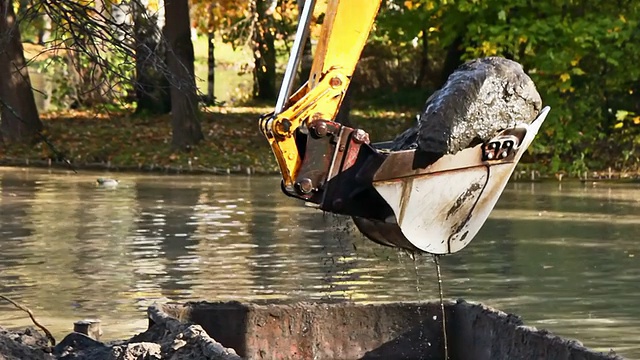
(24, 344)
(166, 338)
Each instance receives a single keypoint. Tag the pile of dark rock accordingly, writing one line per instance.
(166, 338)
(23, 344)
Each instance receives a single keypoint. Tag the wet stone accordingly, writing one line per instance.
(480, 98)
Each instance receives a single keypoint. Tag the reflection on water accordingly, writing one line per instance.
(564, 258)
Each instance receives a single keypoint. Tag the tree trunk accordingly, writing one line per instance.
(19, 120)
(211, 75)
(151, 86)
(185, 116)
(44, 33)
(453, 59)
(264, 72)
(424, 59)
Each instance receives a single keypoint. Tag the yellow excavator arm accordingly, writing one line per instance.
(344, 32)
(434, 207)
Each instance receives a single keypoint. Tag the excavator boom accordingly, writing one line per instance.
(342, 39)
(394, 197)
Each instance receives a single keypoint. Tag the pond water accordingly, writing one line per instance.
(564, 257)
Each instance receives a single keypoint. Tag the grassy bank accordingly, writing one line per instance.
(114, 140)
(118, 141)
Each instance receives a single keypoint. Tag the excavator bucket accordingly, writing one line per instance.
(401, 198)
(439, 209)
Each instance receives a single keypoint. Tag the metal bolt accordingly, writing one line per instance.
(321, 129)
(335, 82)
(305, 185)
(283, 126)
(505, 153)
(359, 136)
(490, 156)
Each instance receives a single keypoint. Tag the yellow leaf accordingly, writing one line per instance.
(623, 19)
(489, 48)
(577, 71)
(408, 4)
(618, 125)
(621, 114)
(574, 62)
(636, 120)
(565, 77)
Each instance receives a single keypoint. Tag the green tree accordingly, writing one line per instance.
(580, 55)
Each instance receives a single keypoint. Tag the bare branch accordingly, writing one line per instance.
(33, 319)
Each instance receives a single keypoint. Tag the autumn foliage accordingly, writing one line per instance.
(582, 55)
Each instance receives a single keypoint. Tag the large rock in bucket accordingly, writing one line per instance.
(481, 98)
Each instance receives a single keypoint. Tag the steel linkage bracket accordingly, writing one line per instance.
(338, 164)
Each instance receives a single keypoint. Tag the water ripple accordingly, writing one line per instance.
(564, 258)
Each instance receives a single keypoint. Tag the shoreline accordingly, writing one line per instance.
(122, 142)
(142, 169)
(519, 176)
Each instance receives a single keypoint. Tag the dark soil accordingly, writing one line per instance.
(167, 338)
(23, 344)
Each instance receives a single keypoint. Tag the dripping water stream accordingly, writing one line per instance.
(414, 257)
(436, 260)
